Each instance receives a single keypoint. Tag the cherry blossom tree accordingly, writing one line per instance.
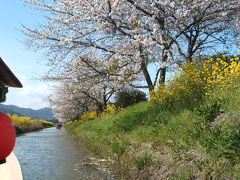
(216, 27)
(66, 103)
(130, 33)
(90, 79)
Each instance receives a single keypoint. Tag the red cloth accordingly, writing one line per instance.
(7, 136)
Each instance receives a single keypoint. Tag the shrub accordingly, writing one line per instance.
(47, 124)
(197, 81)
(89, 115)
(210, 109)
(126, 98)
(111, 108)
(26, 124)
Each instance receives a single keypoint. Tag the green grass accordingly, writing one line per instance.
(171, 140)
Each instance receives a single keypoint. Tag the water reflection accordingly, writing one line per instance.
(51, 155)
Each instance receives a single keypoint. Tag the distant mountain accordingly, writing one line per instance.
(44, 113)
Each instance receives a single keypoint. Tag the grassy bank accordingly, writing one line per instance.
(144, 143)
(24, 124)
(191, 130)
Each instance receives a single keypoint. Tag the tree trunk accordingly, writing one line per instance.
(147, 77)
(163, 75)
(86, 108)
(190, 53)
(163, 70)
(189, 58)
(100, 108)
(145, 71)
(104, 98)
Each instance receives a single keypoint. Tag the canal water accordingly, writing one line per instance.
(51, 154)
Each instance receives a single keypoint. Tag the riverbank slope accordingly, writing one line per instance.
(25, 124)
(189, 130)
(144, 143)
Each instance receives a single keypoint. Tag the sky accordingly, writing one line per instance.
(27, 65)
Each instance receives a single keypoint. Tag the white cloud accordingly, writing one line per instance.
(33, 94)
(34, 90)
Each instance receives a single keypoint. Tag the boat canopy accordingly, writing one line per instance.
(7, 78)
